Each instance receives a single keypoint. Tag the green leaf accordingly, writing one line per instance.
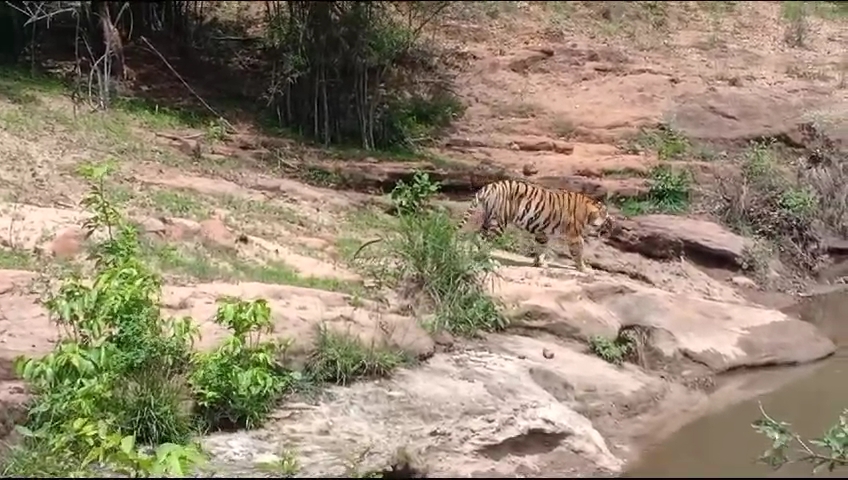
(128, 444)
(24, 431)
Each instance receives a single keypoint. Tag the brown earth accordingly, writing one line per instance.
(546, 87)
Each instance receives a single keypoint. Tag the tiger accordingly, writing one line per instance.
(540, 211)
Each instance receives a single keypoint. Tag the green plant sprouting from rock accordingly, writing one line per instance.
(612, 350)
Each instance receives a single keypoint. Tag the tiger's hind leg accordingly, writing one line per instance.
(491, 228)
(575, 246)
(540, 250)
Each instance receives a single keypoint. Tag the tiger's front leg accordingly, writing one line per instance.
(540, 250)
(575, 246)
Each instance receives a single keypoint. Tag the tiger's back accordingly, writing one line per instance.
(540, 211)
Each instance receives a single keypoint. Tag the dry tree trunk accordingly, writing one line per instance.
(112, 43)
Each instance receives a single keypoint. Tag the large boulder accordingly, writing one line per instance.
(667, 237)
(739, 115)
(681, 329)
(718, 335)
(825, 308)
(510, 410)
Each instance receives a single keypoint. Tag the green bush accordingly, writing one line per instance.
(427, 252)
(669, 143)
(412, 198)
(767, 200)
(237, 384)
(107, 382)
(669, 192)
(449, 269)
(613, 350)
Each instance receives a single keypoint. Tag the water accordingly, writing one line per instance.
(723, 443)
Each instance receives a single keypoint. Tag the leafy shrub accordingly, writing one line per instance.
(90, 402)
(669, 143)
(830, 451)
(237, 384)
(427, 252)
(611, 350)
(669, 192)
(766, 200)
(410, 199)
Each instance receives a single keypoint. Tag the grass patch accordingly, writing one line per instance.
(622, 172)
(830, 10)
(756, 260)
(16, 259)
(359, 224)
(718, 8)
(645, 23)
(341, 358)
(22, 87)
(258, 211)
(517, 109)
(396, 154)
(281, 274)
(367, 220)
(177, 204)
(425, 254)
(669, 192)
(768, 199)
(208, 265)
(796, 15)
(668, 143)
(42, 105)
(563, 128)
(159, 117)
(514, 240)
(196, 263)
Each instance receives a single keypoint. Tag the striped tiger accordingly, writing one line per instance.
(539, 211)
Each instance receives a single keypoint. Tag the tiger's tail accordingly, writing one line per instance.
(481, 195)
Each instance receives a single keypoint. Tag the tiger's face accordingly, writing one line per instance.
(599, 218)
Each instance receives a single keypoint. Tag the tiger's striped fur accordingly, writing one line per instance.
(539, 211)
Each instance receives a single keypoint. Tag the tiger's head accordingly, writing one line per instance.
(599, 218)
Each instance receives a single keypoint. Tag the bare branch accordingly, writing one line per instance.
(188, 87)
